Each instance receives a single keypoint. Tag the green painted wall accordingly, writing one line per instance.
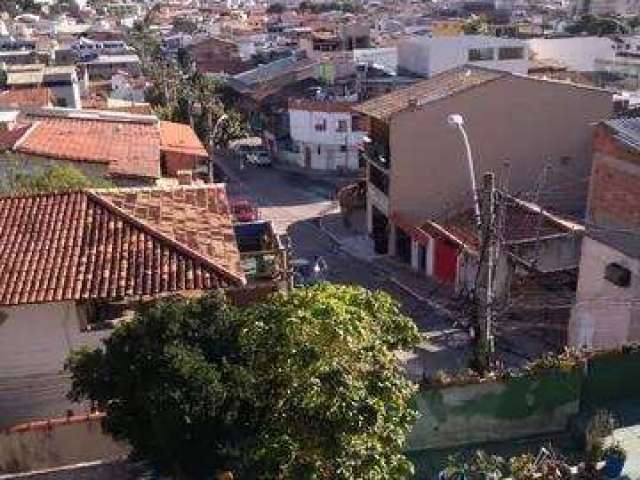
(610, 377)
(493, 411)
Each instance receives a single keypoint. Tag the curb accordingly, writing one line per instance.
(438, 307)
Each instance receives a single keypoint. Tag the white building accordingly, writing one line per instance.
(62, 80)
(429, 56)
(125, 87)
(578, 54)
(608, 7)
(324, 135)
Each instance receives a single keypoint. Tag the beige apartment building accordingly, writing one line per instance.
(517, 125)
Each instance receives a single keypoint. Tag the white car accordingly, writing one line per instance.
(260, 158)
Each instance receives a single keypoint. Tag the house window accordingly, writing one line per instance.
(618, 275)
(511, 53)
(343, 148)
(342, 126)
(319, 150)
(104, 315)
(163, 164)
(479, 54)
(321, 126)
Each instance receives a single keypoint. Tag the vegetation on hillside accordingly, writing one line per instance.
(304, 386)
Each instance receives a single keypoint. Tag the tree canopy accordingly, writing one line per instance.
(595, 25)
(56, 178)
(180, 93)
(304, 386)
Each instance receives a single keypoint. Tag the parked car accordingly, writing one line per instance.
(260, 158)
(244, 210)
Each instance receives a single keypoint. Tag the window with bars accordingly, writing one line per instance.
(511, 53)
(479, 54)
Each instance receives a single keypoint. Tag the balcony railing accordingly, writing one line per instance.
(379, 178)
(263, 266)
(378, 154)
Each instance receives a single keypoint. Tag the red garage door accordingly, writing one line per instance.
(446, 260)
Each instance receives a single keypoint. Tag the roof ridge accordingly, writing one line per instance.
(149, 229)
(155, 188)
(25, 135)
(14, 195)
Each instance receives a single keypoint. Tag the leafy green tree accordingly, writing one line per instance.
(475, 25)
(52, 179)
(177, 89)
(595, 25)
(304, 386)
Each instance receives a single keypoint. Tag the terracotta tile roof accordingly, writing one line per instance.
(9, 138)
(196, 216)
(180, 138)
(524, 222)
(439, 86)
(111, 244)
(99, 102)
(26, 97)
(130, 148)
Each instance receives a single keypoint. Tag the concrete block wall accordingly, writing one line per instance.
(494, 411)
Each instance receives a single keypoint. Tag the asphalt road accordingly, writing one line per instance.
(295, 201)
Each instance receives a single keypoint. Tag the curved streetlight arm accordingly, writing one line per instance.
(472, 175)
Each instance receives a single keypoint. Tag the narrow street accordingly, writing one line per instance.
(295, 202)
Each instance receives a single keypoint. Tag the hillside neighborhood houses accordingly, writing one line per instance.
(477, 162)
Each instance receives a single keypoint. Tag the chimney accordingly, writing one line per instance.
(185, 177)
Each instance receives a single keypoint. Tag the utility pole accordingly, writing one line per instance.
(486, 268)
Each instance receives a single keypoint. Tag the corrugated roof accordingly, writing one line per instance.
(113, 244)
(439, 86)
(269, 71)
(627, 130)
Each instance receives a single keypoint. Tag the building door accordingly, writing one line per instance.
(446, 261)
(403, 246)
(380, 231)
(422, 258)
(331, 158)
(307, 157)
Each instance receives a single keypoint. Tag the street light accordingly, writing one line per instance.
(456, 120)
(212, 135)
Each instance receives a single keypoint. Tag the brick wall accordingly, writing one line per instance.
(615, 184)
(215, 56)
(173, 162)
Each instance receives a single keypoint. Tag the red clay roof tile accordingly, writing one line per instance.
(179, 137)
(129, 148)
(91, 245)
(26, 97)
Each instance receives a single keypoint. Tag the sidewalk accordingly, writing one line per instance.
(441, 316)
(355, 240)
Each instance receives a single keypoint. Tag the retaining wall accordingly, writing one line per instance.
(493, 411)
